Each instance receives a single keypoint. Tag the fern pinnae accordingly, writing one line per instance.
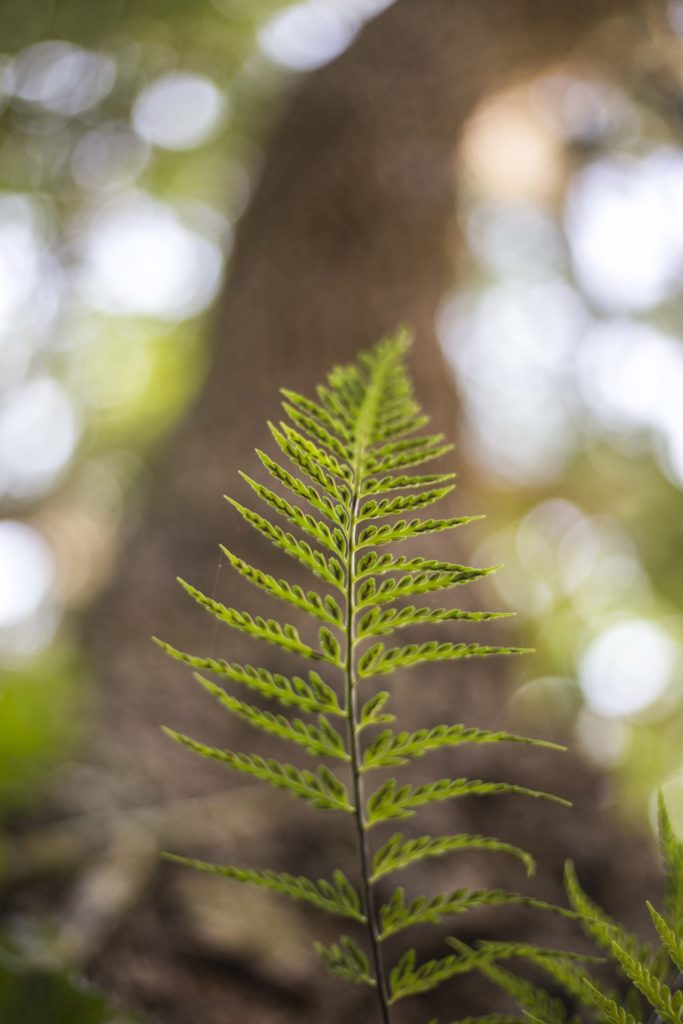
(398, 853)
(350, 492)
(320, 740)
(337, 897)
(312, 694)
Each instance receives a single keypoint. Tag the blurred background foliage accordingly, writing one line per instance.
(129, 140)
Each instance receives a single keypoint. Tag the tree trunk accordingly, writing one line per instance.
(351, 230)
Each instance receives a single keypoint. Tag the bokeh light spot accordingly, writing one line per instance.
(26, 572)
(61, 77)
(627, 667)
(38, 435)
(139, 258)
(179, 111)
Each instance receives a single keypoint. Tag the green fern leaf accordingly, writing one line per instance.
(313, 695)
(335, 489)
(611, 1012)
(372, 712)
(317, 433)
(403, 503)
(667, 1004)
(332, 421)
(406, 420)
(320, 741)
(348, 960)
(325, 460)
(403, 530)
(399, 853)
(386, 484)
(389, 748)
(377, 660)
(672, 941)
(408, 978)
(346, 461)
(327, 569)
(535, 1001)
(383, 562)
(333, 539)
(383, 623)
(323, 789)
(284, 636)
(337, 897)
(332, 510)
(397, 915)
(378, 464)
(320, 606)
(389, 802)
(595, 922)
(671, 849)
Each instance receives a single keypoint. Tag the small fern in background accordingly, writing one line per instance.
(350, 479)
(651, 985)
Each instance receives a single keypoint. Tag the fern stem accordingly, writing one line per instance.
(352, 706)
(365, 422)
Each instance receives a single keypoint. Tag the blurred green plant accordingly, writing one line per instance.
(39, 720)
(33, 996)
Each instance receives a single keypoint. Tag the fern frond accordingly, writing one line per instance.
(383, 562)
(316, 432)
(323, 789)
(330, 483)
(377, 464)
(671, 849)
(332, 510)
(389, 802)
(434, 576)
(386, 484)
(348, 960)
(399, 853)
(320, 606)
(396, 914)
(390, 749)
(327, 569)
(333, 421)
(531, 998)
(383, 623)
(667, 1004)
(595, 922)
(671, 940)
(372, 712)
(345, 470)
(324, 459)
(408, 978)
(378, 660)
(610, 1010)
(333, 539)
(313, 695)
(332, 402)
(322, 740)
(337, 897)
(373, 509)
(390, 533)
(284, 636)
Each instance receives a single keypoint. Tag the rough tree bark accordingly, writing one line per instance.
(350, 231)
